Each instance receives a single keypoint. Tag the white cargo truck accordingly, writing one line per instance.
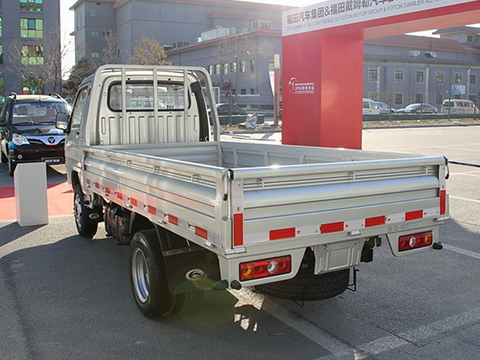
(144, 155)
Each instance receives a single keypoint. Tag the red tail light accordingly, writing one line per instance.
(265, 268)
(415, 241)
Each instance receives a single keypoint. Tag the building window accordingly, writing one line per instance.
(1, 26)
(372, 75)
(398, 76)
(398, 98)
(372, 96)
(472, 80)
(419, 77)
(234, 67)
(439, 77)
(32, 85)
(95, 55)
(226, 68)
(31, 28)
(418, 98)
(32, 55)
(252, 65)
(95, 33)
(217, 69)
(233, 30)
(252, 91)
(243, 92)
(210, 69)
(458, 79)
(1, 54)
(2, 86)
(439, 99)
(31, 5)
(243, 66)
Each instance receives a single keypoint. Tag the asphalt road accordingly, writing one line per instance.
(64, 297)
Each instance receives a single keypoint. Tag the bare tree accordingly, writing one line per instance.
(39, 61)
(149, 52)
(111, 52)
(235, 54)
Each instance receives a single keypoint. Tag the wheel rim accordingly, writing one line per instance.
(140, 275)
(77, 208)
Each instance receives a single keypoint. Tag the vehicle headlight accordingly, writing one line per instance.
(19, 140)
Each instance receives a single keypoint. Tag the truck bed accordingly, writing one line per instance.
(240, 197)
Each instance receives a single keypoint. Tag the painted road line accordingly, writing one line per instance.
(340, 349)
(464, 199)
(309, 330)
(461, 251)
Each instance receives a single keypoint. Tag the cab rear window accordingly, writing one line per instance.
(140, 97)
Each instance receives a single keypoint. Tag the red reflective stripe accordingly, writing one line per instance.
(413, 215)
(133, 201)
(375, 221)
(201, 232)
(332, 227)
(88, 181)
(152, 209)
(107, 190)
(443, 202)
(97, 185)
(282, 234)
(173, 219)
(119, 195)
(237, 229)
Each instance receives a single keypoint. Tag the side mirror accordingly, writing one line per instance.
(62, 121)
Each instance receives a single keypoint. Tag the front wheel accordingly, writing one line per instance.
(148, 277)
(4, 157)
(86, 219)
(11, 166)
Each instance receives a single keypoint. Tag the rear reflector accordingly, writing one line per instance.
(415, 241)
(265, 268)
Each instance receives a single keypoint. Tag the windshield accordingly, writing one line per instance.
(37, 112)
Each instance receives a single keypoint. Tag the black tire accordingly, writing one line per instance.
(86, 219)
(308, 287)
(188, 301)
(4, 158)
(11, 166)
(148, 278)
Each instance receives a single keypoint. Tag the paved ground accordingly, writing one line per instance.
(63, 297)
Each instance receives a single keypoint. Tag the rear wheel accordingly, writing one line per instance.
(308, 287)
(148, 277)
(86, 219)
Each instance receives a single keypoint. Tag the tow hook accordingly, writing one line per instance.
(437, 246)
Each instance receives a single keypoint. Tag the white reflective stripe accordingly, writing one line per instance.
(255, 238)
(308, 230)
(394, 218)
(431, 212)
(354, 224)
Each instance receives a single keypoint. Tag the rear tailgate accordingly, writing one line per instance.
(309, 205)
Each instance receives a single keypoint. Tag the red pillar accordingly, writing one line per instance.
(322, 89)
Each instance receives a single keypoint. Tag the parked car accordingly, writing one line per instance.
(227, 109)
(419, 108)
(385, 108)
(459, 106)
(28, 132)
(370, 107)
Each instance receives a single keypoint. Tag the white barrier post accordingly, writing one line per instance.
(30, 180)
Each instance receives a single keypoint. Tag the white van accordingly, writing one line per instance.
(370, 107)
(459, 106)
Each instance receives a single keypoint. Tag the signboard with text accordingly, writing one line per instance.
(334, 13)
